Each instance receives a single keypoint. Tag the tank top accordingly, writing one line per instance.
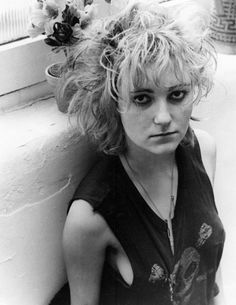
(186, 277)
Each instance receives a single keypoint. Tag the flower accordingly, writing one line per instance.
(44, 14)
(61, 20)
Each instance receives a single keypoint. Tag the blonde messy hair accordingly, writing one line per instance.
(113, 55)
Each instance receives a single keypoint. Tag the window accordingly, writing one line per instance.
(13, 19)
(22, 59)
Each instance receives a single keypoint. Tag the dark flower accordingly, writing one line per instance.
(62, 32)
(62, 21)
(52, 42)
(70, 15)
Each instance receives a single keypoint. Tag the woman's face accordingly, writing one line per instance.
(157, 119)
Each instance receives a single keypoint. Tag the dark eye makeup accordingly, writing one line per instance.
(178, 95)
(144, 97)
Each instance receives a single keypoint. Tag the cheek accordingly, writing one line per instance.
(130, 116)
(135, 124)
(184, 116)
(131, 122)
(187, 111)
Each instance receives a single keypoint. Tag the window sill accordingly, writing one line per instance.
(24, 63)
(25, 97)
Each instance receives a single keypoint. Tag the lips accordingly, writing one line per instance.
(163, 134)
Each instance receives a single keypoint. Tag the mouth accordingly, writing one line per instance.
(163, 134)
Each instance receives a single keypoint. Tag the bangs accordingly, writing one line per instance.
(154, 75)
(151, 58)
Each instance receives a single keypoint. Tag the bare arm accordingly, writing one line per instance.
(84, 244)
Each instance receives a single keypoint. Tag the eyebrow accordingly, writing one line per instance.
(179, 86)
(142, 90)
(184, 85)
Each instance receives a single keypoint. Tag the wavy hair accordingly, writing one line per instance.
(114, 53)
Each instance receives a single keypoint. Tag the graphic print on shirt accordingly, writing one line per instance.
(157, 274)
(204, 233)
(185, 270)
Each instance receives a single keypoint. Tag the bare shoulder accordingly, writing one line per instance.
(85, 239)
(83, 225)
(208, 151)
(207, 143)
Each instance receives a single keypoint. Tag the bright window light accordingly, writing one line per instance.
(14, 18)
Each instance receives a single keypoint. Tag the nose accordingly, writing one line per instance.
(162, 114)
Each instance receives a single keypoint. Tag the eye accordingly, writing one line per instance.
(142, 99)
(178, 95)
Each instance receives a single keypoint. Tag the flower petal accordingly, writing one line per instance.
(78, 4)
(49, 27)
(56, 4)
(38, 18)
(34, 31)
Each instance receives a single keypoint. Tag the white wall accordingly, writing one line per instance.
(218, 116)
(41, 161)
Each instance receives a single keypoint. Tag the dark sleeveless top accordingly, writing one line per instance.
(160, 278)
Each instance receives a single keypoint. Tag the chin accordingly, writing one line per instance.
(162, 149)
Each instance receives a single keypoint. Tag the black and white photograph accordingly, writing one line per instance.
(117, 158)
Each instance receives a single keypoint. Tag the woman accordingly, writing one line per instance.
(142, 227)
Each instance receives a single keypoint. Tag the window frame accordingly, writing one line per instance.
(23, 65)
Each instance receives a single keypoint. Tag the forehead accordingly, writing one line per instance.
(151, 76)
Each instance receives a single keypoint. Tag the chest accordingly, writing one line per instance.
(197, 230)
(145, 259)
(198, 240)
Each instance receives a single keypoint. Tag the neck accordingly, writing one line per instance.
(158, 189)
(148, 163)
